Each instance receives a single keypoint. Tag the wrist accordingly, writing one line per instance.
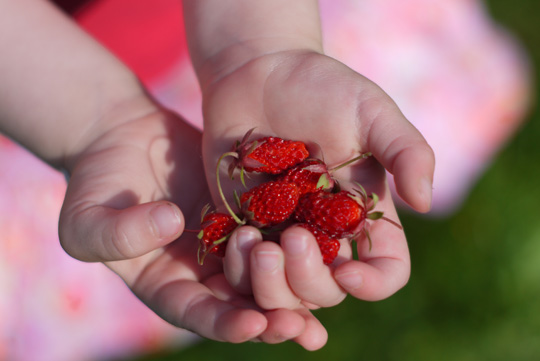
(131, 104)
(235, 56)
(224, 35)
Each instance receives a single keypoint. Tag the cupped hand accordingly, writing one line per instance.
(134, 191)
(339, 114)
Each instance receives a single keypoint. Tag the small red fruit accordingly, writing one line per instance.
(341, 214)
(301, 191)
(309, 176)
(271, 155)
(337, 214)
(270, 203)
(329, 246)
(313, 174)
(215, 231)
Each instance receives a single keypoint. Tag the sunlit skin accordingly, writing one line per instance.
(276, 103)
(160, 158)
(139, 175)
(272, 74)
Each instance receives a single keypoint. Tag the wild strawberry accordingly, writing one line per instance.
(271, 155)
(216, 229)
(309, 176)
(270, 203)
(336, 214)
(329, 246)
(341, 214)
(313, 174)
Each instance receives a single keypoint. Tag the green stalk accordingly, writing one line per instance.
(218, 182)
(350, 161)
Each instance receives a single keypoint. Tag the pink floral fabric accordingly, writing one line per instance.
(457, 76)
(53, 307)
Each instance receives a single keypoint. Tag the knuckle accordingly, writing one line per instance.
(120, 244)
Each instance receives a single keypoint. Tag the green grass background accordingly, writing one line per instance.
(474, 292)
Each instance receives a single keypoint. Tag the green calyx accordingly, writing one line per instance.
(375, 215)
(323, 182)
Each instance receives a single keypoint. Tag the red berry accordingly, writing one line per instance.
(329, 246)
(337, 214)
(302, 190)
(216, 227)
(270, 203)
(275, 155)
(271, 155)
(309, 176)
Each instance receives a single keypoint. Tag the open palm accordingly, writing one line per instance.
(339, 114)
(152, 166)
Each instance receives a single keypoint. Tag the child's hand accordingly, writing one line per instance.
(303, 95)
(123, 206)
(133, 167)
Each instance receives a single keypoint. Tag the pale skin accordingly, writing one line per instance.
(137, 177)
(268, 71)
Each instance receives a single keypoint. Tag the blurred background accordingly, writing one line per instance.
(462, 71)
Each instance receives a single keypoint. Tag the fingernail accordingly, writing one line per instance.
(295, 246)
(245, 239)
(267, 261)
(350, 280)
(165, 220)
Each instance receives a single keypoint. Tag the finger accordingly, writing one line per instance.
(236, 264)
(402, 150)
(315, 335)
(382, 268)
(214, 315)
(283, 325)
(310, 279)
(268, 281)
(373, 280)
(100, 233)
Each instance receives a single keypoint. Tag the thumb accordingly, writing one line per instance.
(99, 233)
(404, 152)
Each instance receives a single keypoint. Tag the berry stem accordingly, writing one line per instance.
(218, 182)
(350, 161)
(392, 222)
(366, 232)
